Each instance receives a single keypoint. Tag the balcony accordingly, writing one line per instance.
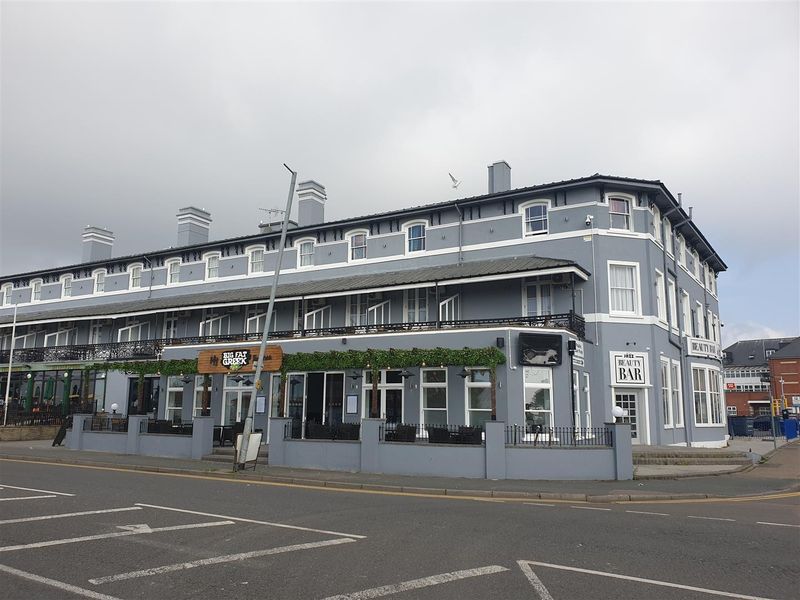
(151, 349)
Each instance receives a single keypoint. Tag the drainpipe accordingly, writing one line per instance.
(460, 233)
(150, 268)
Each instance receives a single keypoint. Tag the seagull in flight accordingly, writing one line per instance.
(454, 180)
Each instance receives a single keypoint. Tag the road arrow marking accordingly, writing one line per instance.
(140, 528)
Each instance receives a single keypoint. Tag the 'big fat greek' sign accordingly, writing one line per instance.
(235, 359)
(629, 368)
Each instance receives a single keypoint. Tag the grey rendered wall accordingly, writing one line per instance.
(557, 463)
(432, 459)
(104, 441)
(159, 444)
(333, 456)
(229, 267)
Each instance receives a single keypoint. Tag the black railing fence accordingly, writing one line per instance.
(103, 423)
(431, 433)
(165, 427)
(45, 416)
(151, 349)
(311, 430)
(558, 437)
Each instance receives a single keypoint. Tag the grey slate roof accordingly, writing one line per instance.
(790, 350)
(440, 273)
(738, 354)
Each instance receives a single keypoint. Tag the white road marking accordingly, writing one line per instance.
(26, 498)
(217, 560)
(13, 487)
(538, 504)
(709, 518)
(416, 584)
(643, 580)
(642, 512)
(140, 527)
(243, 520)
(116, 534)
(535, 581)
(777, 524)
(64, 515)
(56, 584)
(589, 508)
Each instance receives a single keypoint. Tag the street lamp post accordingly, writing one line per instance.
(248, 422)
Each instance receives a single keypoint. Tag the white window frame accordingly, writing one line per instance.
(412, 301)
(523, 209)
(135, 273)
(36, 290)
(255, 266)
(698, 319)
(174, 386)
(134, 331)
(676, 380)
(657, 224)
(66, 286)
(425, 385)
(696, 265)
(255, 320)
(211, 321)
(52, 339)
(173, 271)
(95, 332)
(28, 340)
(686, 307)
(661, 297)
(666, 393)
(212, 260)
(450, 308)
(99, 281)
(379, 314)
(308, 257)
(6, 292)
(541, 386)
(711, 378)
(631, 200)
(668, 237)
(351, 235)
(197, 401)
(538, 296)
(681, 249)
(318, 318)
(672, 296)
(170, 331)
(468, 385)
(407, 229)
(637, 292)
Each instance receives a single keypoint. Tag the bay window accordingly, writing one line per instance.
(706, 396)
(619, 210)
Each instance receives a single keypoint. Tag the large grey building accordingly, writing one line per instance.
(598, 291)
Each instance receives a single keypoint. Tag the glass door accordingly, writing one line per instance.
(296, 402)
(334, 398)
(392, 405)
(628, 401)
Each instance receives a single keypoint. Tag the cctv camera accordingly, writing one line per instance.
(589, 219)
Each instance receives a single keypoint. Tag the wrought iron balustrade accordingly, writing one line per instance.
(151, 349)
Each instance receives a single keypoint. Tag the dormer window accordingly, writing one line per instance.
(358, 245)
(255, 261)
(619, 210)
(36, 290)
(5, 294)
(416, 237)
(305, 253)
(66, 286)
(135, 273)
(212, 266)
(535, 217)
(99, 281)
(173, 272)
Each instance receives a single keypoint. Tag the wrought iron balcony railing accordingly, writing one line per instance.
(151, 349)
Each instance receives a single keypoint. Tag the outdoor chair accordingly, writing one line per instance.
(438, 435)
(470, 435)
(347, 431)
(317, 431)
(405, 433)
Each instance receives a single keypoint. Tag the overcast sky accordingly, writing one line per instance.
(117, 114)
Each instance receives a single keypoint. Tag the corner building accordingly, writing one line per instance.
(598, 291)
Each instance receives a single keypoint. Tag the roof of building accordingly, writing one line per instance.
(389, 279)
(753, 353)
(683, 223)
(790, 350)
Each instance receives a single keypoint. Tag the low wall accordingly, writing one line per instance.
(331, 456)
(560, 463)
(28, 432)
(105, 441)
(197, 445)
(445, 460)
(491, 460)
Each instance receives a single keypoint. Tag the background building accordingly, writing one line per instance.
(784, 370)
(597, 291)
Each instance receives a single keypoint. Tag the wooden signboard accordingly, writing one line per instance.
(238, 360)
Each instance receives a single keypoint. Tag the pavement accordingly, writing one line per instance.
(778, 471)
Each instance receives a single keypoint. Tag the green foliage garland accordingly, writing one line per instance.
(149, 367)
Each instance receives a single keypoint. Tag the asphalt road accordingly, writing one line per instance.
(100, 533)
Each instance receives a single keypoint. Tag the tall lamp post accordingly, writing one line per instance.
(768, 379)
(248, 422)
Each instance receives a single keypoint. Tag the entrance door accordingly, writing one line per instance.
(334, 398)
(296, 395)
(150, 402)
(629, 401)
(315, 389)
(392, 405)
